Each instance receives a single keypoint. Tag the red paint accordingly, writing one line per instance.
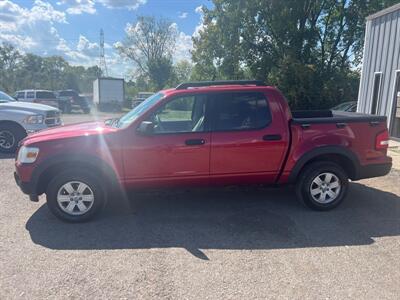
(225, 158)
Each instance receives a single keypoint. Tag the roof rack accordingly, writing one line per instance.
(186, 85)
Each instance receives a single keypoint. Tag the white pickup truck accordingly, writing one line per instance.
(18, 119)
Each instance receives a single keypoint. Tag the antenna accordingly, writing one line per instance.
(102, 60)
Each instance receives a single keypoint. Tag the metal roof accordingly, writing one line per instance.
(384, 12)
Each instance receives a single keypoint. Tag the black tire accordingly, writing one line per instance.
(95, 186)
(305, 184)
(61, 106)
(10, 136)
(68, 107)
(86, 110)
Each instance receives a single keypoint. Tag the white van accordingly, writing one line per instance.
(37, 96)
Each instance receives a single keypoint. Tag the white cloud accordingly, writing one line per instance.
(34, 30)
(183, 15)
(183, 46)
(128, 4)
(84, 45)
(77, 7)
(29, 29)
(199, 9)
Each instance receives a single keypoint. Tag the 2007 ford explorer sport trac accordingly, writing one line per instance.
(203, 133)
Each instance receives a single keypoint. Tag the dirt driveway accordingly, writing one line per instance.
(226, 243)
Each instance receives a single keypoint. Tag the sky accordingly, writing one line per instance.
(71, 28)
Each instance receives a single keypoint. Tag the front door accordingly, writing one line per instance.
(178, 151)
(248, 145)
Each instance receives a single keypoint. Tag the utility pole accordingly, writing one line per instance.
(102, 60)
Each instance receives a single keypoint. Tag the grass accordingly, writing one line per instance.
(176, 115)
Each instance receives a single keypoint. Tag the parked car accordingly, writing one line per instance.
(69, 100)
(17, 119)
(350, 106)
(37, 96)
(208, 133)
(140, 98)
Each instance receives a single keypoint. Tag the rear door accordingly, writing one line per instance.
(248, 140)
(30, 96)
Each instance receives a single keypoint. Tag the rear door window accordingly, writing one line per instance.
(240, 111)
(30, 95)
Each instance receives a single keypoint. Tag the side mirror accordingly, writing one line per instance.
(146, 128)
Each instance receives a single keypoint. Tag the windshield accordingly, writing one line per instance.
(5, 98)
(139, 110)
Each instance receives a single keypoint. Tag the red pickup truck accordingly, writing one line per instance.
(203, 133)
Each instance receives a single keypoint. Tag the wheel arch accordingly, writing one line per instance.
(52, 166)
(342, 156)
(12, 123)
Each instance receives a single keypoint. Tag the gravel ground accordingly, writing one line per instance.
(227, 243)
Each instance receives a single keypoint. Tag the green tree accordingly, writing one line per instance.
(28, 71)
(182, 72)
(150, 45)
(9, 63)
(305, 47)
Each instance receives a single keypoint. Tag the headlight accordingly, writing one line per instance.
(35, 119)
(27, 155)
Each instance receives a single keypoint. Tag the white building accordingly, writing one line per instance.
(380, 79)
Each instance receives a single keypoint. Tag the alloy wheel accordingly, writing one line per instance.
(75, 198)
(7, 139)
(325, 188)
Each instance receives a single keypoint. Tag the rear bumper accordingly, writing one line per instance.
(375, 170)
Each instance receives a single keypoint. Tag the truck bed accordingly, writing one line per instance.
(329, 116)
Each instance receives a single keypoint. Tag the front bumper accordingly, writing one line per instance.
(26, 188)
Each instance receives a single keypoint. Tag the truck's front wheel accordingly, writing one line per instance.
(322, 185)
(75, 197)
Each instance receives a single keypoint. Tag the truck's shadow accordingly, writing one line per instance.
(237, 218)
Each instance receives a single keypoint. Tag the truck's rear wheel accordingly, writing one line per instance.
(322, 185)
(75, 196)
(10, 136)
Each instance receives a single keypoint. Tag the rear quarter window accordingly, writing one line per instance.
(45, 95)
(241, 111)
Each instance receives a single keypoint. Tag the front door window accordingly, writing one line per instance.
(182, 114)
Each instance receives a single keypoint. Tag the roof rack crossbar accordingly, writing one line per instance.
(186, 85)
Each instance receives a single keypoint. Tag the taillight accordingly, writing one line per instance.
(382, 140)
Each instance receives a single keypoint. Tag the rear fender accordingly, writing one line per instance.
(314, 154)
